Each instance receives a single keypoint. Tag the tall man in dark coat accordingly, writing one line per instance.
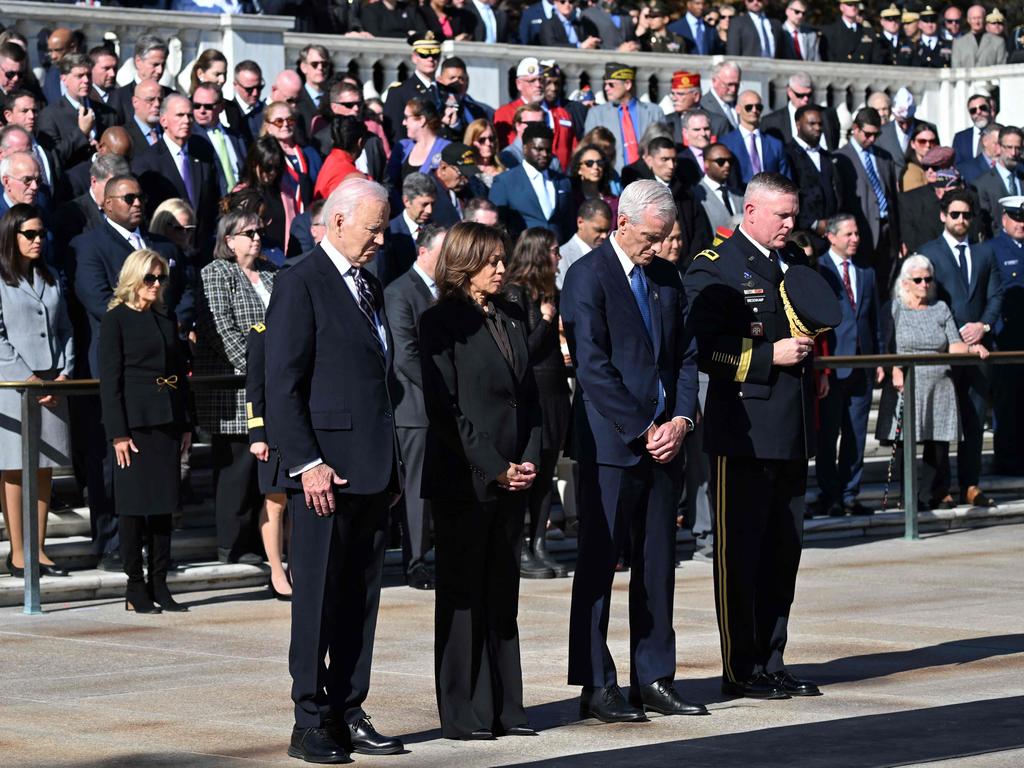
(846, 39)
(815, 177)
(333, 420)
(636, 397)
(758, 430)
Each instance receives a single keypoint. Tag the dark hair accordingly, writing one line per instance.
(659, 143)
(12, 266)
(530, 264)
(13, 51)
(248, 65)
(867, 116)
(421, 107)
(72, 61)
(592, 207)
(245, 199)
(113, 181)
(453, 62)
(917, 130)
(467, 248)
(957, 196)
(264, 154)
(106, 49)
(801, 111)
(606, 170)
(203, 62)
(18, 93)
(1010, 130)
(427, 234)
(537, 131)
(347, 131)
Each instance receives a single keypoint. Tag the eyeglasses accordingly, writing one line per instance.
(29, 181)
(956, 215)
(710, 20)
(32, 234)
(348, 104)
(252, 234)
(720, 161)
(151, 279)
(321, 64)
(10, 74)
(592, 163)
(983, 108)
(753, 107)
(280, 122)
(485, 139)
(130, 199)
(926, 280)
(801, 95)
(251, 88)
(927, 142)
(207, 107)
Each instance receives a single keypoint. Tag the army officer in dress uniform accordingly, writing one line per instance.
(426, 54)
(657, 38)
(759, 433)
(932, 49)
(1008, 380)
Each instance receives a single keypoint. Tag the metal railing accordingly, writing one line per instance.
(31, 410)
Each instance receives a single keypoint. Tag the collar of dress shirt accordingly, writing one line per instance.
(422, 79)
(480, 6)
(764, 251)
(431, 283)
(246, 108)
(146, 127)
(624, 261)
(584, 248)
(713, 185)
(805, 146)
(74, 102)
(838, 261)
(852, 26)
(930, 40)
(532, 173)
(342, 264)
(173, 148)
(313, 93)
(655, 177)
(790, 29)
(952, 242)
(121, 230)
(414, 228)
(547, 7)
(747, 133)
(692, 21)
(861, 152)
(100, 92)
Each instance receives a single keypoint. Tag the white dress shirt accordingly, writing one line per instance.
(180, 155)
(812, 152)
(430, 282)
(838, 261)
(543, 188)
(764, 251)
(490, 22)
(953, 243)
(414, 228)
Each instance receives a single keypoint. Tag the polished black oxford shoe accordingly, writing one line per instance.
(366, 741)
(759, 686)
(792, 685)
(316, 745)
(662, 698)
(608, 705)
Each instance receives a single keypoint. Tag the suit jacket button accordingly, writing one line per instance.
(654, 401)
(513, 403)
(741, 394)
(387, 414)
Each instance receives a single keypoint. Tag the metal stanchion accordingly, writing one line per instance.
(30, 423)
(909, 455)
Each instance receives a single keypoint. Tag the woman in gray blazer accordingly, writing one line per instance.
(233, 297)
(35, 344)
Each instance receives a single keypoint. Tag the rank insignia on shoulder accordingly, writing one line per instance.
(259, 327)
(707, 253)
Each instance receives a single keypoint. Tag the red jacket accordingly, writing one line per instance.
(565, 133)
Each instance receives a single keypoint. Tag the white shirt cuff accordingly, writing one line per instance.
(296, 471)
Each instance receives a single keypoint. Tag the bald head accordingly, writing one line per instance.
(14, 138)
(59, 43)
(881, 103)
(286, 87)
(19, 174)
(115, 141)
(749, 108)
(146, 101)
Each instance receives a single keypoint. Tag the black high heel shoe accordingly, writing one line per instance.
(18, 573)
(163, 597)
(137, 599)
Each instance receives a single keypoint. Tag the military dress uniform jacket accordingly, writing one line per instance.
(860, 46)
(938, 57)
(736, 315)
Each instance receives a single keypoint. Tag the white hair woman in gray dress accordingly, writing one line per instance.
(924, 325)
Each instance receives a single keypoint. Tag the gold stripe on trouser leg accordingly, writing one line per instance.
(720, 542)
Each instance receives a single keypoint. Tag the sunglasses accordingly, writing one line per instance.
(927, 142)
(428, 55)
(32, 234)
(926, 280)
(252, 234)
(592, 163)
(197, 106)
(720, 161)
(956, 215)
(280, 122)
(151, 279)
(348, 104)
(801, 94)
(183, 228)
(251, 88)
(870, 134)
(952, 21)
(322, 64)
(797, 12)
(10, 74)
(130, 199)
(753, 107)
(485, 139)
(984, 109)
(711, 20)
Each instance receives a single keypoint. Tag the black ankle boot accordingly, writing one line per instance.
(543, 557)
(162, 595)
(531, 568)
(136, 598)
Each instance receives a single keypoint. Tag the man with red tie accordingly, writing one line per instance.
(799, 41)
(623, 114)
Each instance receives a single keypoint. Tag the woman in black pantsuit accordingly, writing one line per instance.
(144, 392)
(483, 446)
(530, 283)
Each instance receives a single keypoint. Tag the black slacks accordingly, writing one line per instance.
(972, 389)
(335, 564)
(237, 494)
(477, 672)
(89, 439)
(618, 504)
(539, 503)
(416, 520)
(1008, 447)
(759, 510)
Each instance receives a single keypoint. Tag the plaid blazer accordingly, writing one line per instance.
(227, 309)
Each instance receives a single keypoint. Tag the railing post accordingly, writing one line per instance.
(909, 454)
(30, 420)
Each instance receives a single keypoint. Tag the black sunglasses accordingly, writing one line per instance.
(151, 279)
(130, 199)
(980, 108)
(199, 105)
(251, 88)
(252, 234)
(753, 107)
(926, 280)
(721, 161)
(32, 234)
(591, 163)
(348, 104)
(955, 215)
(322, 64)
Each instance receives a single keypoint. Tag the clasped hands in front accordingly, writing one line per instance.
(665, 440)
(518, 477)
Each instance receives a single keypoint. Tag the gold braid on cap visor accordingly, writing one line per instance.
(796, 326)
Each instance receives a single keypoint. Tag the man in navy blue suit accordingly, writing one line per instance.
(967, 143)
(532, 194)
(333, 419)
(399, 251)
(755, 152)
(968, 280)
(702, 37)
(844, 410)
(636, 376)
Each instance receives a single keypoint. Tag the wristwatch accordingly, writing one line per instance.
(987, 327)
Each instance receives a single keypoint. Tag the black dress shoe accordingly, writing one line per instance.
(15, 571)
(856, 508)
(609, 706)
(366, 741)
(111, 562)
(662, 698)
(520, 730)
(759, 686)
(316, 745)
(794, 686)
(52, 570)
(480, 734)
(420, 576)
(837, 510)
(531, 568)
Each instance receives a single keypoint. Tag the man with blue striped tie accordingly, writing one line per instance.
(867, 189)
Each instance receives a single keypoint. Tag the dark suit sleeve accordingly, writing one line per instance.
(550, 37)
(402, 321)
(69, 143)
(255, 391)
(91, 284)
(115, 414)
(687, 382)
(994, 292)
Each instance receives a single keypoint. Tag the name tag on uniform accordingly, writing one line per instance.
(754, 299)
(757, 330)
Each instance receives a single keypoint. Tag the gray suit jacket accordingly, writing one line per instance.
(35, 331)
(709, 103)
(607, 115)
(611, 36)
(856, 195)
(715, 208)
(888, 141)
(991, 186)
(968, 53)
(570, 253)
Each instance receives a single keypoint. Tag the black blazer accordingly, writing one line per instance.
(483, 412)
(306, 110)
(777, 124)
(72, 219)
(137, 349)
(480, 30)
(819, 198)
(327, 379)
(238, 123)
(398, 253)
(552, 33)
(406, 300)
(59, 124)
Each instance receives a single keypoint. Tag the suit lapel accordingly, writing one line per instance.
(337, 286)
(619, 284)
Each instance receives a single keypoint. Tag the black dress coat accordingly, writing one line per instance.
(59, 124)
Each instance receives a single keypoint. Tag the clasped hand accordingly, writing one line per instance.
(517, 477)
(318, 485)
(665, 440)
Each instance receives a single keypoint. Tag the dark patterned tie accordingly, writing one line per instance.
(366, 301)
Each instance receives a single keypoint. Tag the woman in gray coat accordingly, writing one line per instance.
(234, 294)
(35, 344)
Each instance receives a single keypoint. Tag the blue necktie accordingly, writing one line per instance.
(638, 284)
(961, 251)
(876, 185)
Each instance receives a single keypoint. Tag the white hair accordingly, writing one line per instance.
(912, 262)
(349, 194)
(724, 65)
(7, 162)
(637, 197)
(800, 80)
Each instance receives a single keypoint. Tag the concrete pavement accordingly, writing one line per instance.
(919, 647)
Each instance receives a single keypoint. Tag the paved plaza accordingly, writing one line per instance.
(919, 647)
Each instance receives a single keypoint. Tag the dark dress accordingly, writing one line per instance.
(482, 407)
(256, 408)
(144, 392)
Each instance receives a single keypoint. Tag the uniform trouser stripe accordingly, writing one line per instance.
(720, 566)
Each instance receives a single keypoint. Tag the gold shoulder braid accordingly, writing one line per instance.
(796, 327)
(708, 254)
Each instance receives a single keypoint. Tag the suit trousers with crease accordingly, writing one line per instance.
(844, 417)
(477, 671)
(618, 504)
(972, 391)
(237, 494)
(336, 565)
(759, 511)
(416, 520)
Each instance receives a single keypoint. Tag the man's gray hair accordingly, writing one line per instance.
(418, 185)
(991, 128)
(875, 95)
(769, 184)
(689, 114)
(11, 130)
(724, 65)
(647, 194)
(835, 222)
(912, 262)
(7, 162)
(106, 167)
(348, 195)
(800, 80)
(165, 105)
(145, 44)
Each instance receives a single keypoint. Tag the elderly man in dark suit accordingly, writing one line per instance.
(968, 279)
(813, 173)
(406, 299)
(334, 422)
(636, 376)
(867, 188)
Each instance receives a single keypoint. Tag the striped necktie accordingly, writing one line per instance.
(876, 185)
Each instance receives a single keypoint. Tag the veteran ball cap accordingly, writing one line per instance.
(809, 302)
(528, 67)
(615, 71)
(461, 156)
(1013, 206)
